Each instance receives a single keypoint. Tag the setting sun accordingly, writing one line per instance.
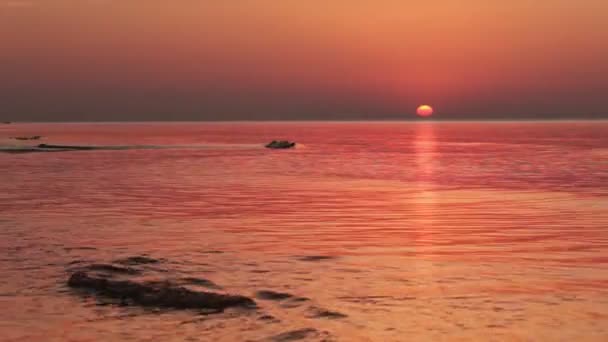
(424, 111)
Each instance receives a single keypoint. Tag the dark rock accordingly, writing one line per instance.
(260, 271)
(85, 248)
(293, 302)
(268, 318)
(137, 260)
(213, 252)
(295, 335)
(299, 299)
(316, 257)
(161, 295)
(201, 282)
(272, 295)
(279, 144)
(74, 262)
(112, 269)
(323, 313)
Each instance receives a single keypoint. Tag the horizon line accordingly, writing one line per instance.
(314, 120)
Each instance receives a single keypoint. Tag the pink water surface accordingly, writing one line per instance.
(432, 231)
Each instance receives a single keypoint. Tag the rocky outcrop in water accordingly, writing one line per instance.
(200, 282)
(143, 281)
(273, 295)
(281, 144)
(156, 294)
(287, 299)
(137, 260)
(316, 258)
(109, 268)
(295, 335)
(324, 313)
(126, 281)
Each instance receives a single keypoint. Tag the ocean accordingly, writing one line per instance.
(370, 231)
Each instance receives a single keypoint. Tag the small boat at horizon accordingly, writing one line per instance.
(281, 144)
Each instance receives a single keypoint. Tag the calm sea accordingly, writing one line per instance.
(400, 231)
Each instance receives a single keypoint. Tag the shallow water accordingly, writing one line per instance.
(413, 231)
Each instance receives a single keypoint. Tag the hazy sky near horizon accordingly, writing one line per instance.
(316, 59)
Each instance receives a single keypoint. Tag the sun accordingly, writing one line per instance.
(424, 111)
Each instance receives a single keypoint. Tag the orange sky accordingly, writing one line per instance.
(248, 59)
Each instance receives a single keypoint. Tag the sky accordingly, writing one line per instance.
(112, 60)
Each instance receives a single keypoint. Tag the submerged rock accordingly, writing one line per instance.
(287, 299)
(83, 248)
(272, 295)
(323, 313)
(281, 144)
(268, 318)
(259, 271)
(112, 269)
(201, 282)
(159, 294)
(137, 260)
(316, 258)
(75, 262)
(295, 335)
(212, 252)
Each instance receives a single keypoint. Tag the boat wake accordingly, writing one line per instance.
(78, 147)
